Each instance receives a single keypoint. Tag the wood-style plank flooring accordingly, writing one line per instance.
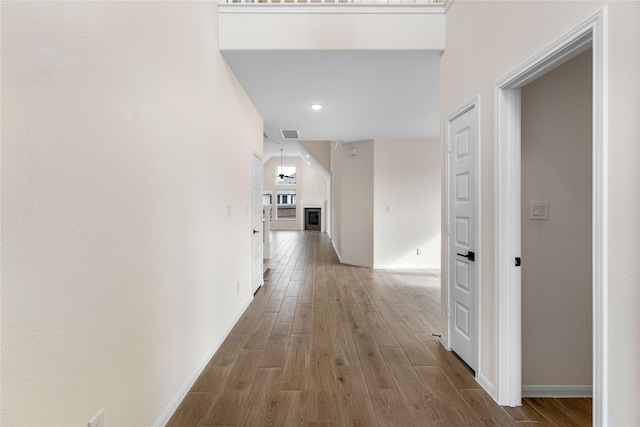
(325, 344)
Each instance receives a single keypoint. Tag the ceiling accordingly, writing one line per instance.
(289, 149)
(364, 94)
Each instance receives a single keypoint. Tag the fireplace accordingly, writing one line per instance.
(313, 219)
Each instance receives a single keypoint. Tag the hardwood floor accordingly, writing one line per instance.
(325, 344)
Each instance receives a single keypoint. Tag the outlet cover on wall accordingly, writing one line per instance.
(419, 251)
(98, 420)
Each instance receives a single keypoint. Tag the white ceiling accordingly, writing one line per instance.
(289, 149)
(365, 94)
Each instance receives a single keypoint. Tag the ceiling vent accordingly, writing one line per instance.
(289, 133)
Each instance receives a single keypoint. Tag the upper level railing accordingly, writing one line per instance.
(332, 24)
(336, 2)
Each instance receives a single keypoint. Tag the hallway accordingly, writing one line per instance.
(335, 345)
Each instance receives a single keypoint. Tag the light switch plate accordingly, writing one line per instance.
(539, 210)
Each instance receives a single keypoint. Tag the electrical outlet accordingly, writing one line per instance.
(98, 420)
(238, 287)
(419, 251)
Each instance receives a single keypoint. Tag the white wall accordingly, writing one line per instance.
(485, 41)
(401, 174)
(353, 216)
(556, 272)
(310, 187)
(121, 125)
(336, 196)
(406, 203)
(320, 151)
(331, 31)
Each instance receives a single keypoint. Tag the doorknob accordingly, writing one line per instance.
(471, 256)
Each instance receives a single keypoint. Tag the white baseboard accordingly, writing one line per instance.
(182, 393)
(444, 342)
(480, 379)
(333, 243)
(346, 261)
(486, 385)
(355, 263)
(407, 267)
(557, 391)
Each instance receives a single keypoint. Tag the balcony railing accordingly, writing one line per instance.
(336, 2)
(286, 212)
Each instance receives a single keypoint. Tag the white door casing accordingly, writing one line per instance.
(462, 254)
(591, 33)
(256, 222)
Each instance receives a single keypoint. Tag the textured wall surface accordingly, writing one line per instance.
(121, 126)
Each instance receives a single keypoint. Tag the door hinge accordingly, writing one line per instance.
(448, 147)
(448, 229)
(448, 313)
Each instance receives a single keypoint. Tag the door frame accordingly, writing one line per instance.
(472, 104)
(592, 33)
(256, 155)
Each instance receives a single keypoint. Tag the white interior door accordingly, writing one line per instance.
(256, 221)
(462, 138)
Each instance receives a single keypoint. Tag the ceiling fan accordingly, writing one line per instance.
(282, 176)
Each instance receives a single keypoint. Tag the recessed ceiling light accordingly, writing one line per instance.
(316, 107)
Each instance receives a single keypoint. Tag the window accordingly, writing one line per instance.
(286, 204)
(288, 175)
(266, 198)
